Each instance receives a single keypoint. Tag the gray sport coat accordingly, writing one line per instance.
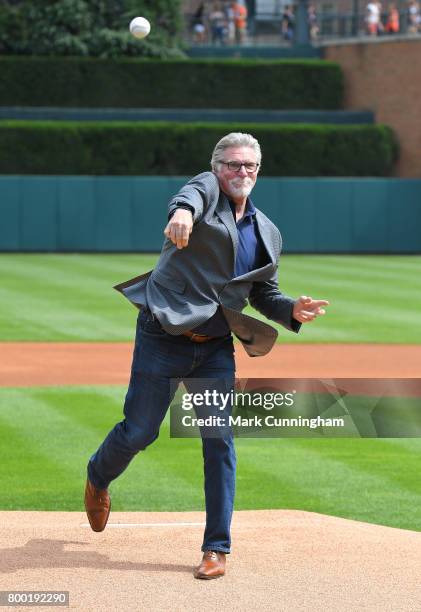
(187, 285)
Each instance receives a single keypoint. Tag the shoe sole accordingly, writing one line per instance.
(199, 577)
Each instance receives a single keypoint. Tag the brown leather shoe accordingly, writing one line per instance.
(212, 566)
(97, 505)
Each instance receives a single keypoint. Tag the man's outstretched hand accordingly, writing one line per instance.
(306, 309)
(180, 227)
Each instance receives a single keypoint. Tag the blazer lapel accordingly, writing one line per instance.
(223, 211)
(265, 235)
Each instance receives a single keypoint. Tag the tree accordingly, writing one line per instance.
(96, 28)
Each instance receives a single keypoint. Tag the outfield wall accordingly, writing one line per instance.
(89, 213)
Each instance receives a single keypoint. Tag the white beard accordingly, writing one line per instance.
(241, 188)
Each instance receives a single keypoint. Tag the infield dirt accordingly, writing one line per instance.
(282, 560)
(49, 363)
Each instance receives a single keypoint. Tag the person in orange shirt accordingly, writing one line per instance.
(392, 24)
(240, 21)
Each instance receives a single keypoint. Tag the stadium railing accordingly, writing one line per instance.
(265, 29)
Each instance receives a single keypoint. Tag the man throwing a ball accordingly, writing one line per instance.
(219, 252)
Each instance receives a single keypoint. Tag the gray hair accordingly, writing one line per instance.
(234, 139)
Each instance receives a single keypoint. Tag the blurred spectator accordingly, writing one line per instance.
(218, 22)
(288, 23)
(414, 17)
(372, 18)
(381, 26)
(240, 21)
(229, 11)
(392, 23)
(198, 24)
(312, 22)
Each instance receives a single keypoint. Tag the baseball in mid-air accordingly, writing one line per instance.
(139, 27)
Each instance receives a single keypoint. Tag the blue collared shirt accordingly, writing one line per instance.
(250, 255)
(250, 251)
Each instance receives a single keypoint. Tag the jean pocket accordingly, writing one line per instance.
(150, 325)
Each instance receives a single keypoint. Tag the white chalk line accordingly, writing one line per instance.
(124, 525)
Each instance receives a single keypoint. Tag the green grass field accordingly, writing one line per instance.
(47, 435)
(70, 297)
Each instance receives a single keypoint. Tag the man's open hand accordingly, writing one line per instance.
(180, 227)
(306, 309)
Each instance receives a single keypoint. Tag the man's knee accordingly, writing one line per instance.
(138, 438)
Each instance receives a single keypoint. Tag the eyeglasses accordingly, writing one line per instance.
(235, 166)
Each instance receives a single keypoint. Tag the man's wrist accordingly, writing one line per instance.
(183, 207)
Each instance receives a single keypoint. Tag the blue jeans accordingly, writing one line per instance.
(159, 357)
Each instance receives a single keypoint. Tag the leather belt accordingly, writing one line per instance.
(197, 337)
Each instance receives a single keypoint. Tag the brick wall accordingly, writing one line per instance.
(385, 76)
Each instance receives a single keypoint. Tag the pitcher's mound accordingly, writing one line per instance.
(281, 560)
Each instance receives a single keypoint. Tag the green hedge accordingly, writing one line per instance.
(159, 148)
(131, 83)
